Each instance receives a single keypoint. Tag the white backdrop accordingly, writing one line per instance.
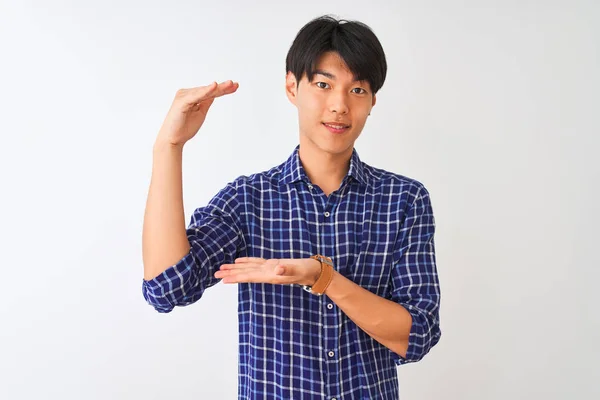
(491, 104)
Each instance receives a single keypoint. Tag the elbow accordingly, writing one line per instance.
(424, 334)
(401, 345)
(401, 348)
(157, 300)
(161, 309)
(418, 349)
(179, 285)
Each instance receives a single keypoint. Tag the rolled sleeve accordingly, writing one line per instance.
(215, 238)
(415, 283)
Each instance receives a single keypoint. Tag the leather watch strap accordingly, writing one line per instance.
(325, 277)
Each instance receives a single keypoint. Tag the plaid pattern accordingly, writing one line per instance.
(378, 228)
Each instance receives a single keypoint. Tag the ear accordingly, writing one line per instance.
(374, 101)
(291, 87)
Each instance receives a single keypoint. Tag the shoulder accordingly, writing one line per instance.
(258, 180)
(394, 184)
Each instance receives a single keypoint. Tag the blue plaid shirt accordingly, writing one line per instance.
(378, 228)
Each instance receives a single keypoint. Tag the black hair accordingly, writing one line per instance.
(353, 41)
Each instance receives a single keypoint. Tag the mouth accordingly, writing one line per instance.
(336, 128)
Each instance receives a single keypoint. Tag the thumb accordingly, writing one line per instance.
(282, 270)
(205, 105)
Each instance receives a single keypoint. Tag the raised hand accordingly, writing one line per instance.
(188, 111)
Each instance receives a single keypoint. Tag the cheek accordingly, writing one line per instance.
(362, 111)
(310, 110)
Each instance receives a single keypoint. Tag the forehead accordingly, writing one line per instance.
(333, 66)
(332, 60)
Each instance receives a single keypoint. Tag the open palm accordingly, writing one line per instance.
(260, 270)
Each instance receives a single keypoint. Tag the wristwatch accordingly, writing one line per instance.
(324, 278)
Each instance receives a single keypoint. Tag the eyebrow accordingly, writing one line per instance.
(324, 73)
(330, 75)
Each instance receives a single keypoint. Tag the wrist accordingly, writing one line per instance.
(313, 271)
(163, 144)
(325, 277)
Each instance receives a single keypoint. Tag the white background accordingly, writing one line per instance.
(491, 104)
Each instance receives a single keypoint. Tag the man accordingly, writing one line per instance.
(334, 258)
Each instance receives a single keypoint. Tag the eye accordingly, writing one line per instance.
(363, 90)
(318, 85)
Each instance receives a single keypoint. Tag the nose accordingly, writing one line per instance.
(338, 103)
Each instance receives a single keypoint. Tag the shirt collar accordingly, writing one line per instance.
(293, 171)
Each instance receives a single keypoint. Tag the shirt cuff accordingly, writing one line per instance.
(162, 291)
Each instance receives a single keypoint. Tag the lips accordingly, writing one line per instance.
(336, 125)
(336, 129)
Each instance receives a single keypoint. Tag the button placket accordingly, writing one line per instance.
(326, 229)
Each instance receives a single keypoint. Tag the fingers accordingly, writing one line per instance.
(249, 259)
(254, 269)
(202, 93)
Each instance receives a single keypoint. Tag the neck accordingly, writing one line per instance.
(324, 169)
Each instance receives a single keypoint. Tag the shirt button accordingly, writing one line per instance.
(331, 354)
(326, 213)
(330, 306)
(310, 187)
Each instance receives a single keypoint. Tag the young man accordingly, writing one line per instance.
(334, 258)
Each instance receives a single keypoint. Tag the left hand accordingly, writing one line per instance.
(302, 271)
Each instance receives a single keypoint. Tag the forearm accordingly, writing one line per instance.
(164, 238)
(385, 321)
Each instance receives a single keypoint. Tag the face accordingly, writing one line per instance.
(333, 97)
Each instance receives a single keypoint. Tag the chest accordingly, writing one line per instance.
(357, 229)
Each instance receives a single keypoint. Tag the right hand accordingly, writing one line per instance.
(188, 111)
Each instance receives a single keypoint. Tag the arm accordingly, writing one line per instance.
(177, 261)
(164, 240)
(407, 323)
(214, 237)
(385, 321)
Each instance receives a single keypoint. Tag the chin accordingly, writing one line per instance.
(334, 145)
(335, 148)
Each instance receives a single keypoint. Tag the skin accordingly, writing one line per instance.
(164, 239)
